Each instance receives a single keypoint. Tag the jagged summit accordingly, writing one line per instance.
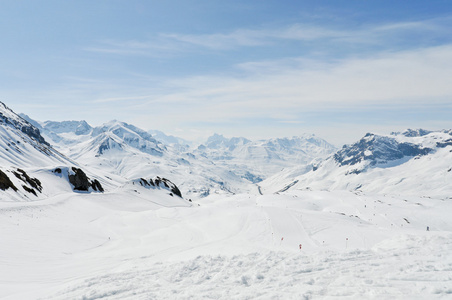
(77, 127)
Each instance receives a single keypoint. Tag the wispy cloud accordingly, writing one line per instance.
(253, 38)
(153, 47)
(367, 34)
(417, 77)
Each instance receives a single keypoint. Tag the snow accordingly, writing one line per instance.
(423, 175)
(152, 246)
(355, 231)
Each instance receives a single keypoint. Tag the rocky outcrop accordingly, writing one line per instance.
(6, 183)
(444, 144)
(159, 182)
(33, 182)
(81, 182)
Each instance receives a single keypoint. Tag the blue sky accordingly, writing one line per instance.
(257, 69)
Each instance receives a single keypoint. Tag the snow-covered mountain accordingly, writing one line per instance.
(30, 168)
(131, 153)
(140, 239)
(414, 162)
(169, 139)
(220, 165)
(257, 160)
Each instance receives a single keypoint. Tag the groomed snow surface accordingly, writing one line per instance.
(138, 244)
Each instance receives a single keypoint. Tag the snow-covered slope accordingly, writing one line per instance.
(134, 245)
(412, 162)
(31, 169)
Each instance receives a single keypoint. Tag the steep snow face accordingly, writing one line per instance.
(413, 163)
(132, 136)
(22, 145)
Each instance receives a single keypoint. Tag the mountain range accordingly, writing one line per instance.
(416, 162)
(116, 153)
(220, 165)
(117, 212)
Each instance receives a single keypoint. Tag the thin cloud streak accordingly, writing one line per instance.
(376, 34)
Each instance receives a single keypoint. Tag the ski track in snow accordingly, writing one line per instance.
(114, 246)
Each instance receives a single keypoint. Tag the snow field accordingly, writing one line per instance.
(383, 273)
(149, 245)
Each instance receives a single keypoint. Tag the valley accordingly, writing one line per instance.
(111, 212)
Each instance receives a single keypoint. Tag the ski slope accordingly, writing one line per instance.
(144, 244)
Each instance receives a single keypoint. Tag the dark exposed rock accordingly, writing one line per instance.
(5, 182)
(33, 182)
(79, 180)
(33, 132)
(444, 144)
(159, 182)
(144, 182)
(30, 190)
(97, 186)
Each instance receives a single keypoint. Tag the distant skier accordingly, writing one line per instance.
(428, 228)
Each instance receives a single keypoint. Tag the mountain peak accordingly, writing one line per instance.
(377, 149)
(10, 118)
